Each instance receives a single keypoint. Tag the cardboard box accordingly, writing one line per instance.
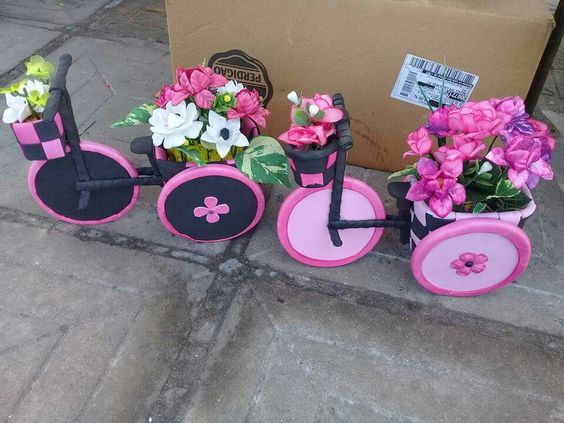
(357, 47)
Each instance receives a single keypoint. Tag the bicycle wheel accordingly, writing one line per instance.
(471, 257)
(212, 203)
(303, 218)
(52, 185)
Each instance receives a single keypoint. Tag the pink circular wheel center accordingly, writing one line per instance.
(307, 225)
(451, 266)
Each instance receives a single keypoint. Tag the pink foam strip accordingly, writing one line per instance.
(53, 149)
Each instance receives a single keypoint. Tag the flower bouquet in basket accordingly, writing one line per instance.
(311, 143)
(204, 118)
(464, 172)
(26, 101)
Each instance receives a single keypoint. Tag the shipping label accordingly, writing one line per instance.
(420, 78)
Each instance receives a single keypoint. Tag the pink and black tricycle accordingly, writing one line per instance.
(84, 182)
(463, 254)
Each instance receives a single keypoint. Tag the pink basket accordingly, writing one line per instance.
(41, 140)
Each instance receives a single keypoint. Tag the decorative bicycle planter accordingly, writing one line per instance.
(458, 254)
(87, 183)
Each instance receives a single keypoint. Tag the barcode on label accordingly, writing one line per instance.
(410, 82)
(439, 70)
(429, 84)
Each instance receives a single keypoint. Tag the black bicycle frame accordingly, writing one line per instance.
(402, 221)
(60, 101)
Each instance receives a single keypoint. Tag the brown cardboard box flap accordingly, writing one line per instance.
(357, 47)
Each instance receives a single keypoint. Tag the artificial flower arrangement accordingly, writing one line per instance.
(27, 98)
(204, 118)
(312, 121)
(469, 175)
(310, 143)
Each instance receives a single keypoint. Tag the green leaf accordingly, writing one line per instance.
(517, 202)
(479, 208)
(300, 117)
(194, 155)
(138, 116)
(264, 161)
(505, 189)
(409, 170)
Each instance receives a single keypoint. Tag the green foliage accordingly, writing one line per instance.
(138, 116)
(193, 154)
(300, 117)
(409, 170)
(264, 161)
(491, 191)
(479, 207)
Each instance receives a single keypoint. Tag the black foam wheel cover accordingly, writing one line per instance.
(55, 186)
(181, 202)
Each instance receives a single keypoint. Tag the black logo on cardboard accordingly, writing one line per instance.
(238, 65)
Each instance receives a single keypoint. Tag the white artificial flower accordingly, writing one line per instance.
(232, 87)
(294, 98)
(171, 126)
(224, 134)
(18, 110)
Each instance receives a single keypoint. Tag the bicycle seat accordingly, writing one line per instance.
(142, 145)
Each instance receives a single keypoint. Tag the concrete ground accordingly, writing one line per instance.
(125, 323)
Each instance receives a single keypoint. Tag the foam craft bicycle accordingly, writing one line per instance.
(84, 182)
(355, 220)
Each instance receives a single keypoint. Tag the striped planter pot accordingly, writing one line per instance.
(424, 221)
(313, 168)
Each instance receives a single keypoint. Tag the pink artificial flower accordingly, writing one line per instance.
(478, 120)
(325, 103)
(538, 127)
(195, 82)
(438, 122)
(420, 143)
(302, 136)
(467, 263)
(438, 187)
(165, 95)
(463, 148)
(512, 106)
(524, 158)
(248, 105)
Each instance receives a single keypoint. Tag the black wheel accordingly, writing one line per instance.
(52, 184)
(211, 203)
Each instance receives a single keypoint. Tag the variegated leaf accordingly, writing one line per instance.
(264, 161)
(138, 116)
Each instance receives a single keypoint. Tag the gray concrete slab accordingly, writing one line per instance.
(295, 356)
(20, 40)
(51, 11)
(88, 328)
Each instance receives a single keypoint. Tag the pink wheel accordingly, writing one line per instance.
(52, 184)
(303, 217)
(212, 203)
(471, 257)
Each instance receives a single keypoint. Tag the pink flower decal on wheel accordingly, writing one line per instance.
(469, 262)
(212, 210)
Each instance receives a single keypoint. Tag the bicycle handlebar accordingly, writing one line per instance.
(56, 87)
(344, 125)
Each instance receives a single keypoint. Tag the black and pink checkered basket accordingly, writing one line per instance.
(313, 168)
(41, 140)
